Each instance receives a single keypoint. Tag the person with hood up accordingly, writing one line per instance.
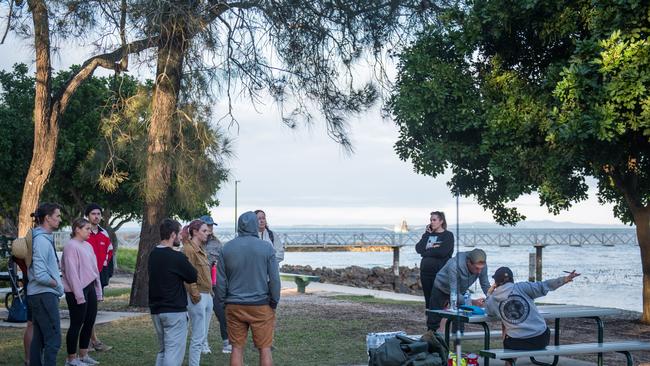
(249, 283)
(524, 327)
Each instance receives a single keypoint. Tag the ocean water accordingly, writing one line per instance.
(611, 275)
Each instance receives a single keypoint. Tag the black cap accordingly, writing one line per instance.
(503, 275)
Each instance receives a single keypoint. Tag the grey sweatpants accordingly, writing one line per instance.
(171, 329)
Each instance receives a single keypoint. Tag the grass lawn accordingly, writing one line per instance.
(126, 258)
(369, 299)
(301, 339)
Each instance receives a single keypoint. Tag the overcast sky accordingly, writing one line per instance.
(301, 177)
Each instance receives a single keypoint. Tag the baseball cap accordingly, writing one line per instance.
(477, 255)
(207, 219)
(503, 275)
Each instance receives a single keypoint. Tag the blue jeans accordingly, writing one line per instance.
(171, 329)
(47, 329)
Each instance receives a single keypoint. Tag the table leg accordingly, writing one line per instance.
(601, 331)
(486, 342)
(628, 357)
(556, 338)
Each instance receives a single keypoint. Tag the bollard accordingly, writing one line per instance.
(396, 267)
(538, 261)
(531, 267)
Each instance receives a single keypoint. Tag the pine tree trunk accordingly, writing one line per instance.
(157, 182)
(642, 221)
(46, 129)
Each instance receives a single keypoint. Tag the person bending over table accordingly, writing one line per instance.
(524, 327)
(472, 266)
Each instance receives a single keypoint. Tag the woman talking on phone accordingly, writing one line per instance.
(435, 247)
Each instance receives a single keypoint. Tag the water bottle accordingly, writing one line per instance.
(453, 298)
(467, 298)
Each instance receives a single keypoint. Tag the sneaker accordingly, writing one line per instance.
(74, 362)
(227, 347)
(87, 360)
(206, 349)
(100, 347)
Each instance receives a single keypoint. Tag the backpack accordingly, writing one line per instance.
(404, 351)
(18, 310)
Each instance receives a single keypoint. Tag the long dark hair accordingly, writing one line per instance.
(44, 209)
(78, 224)
(441, 216)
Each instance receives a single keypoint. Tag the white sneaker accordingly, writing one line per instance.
(74, 362)
(227, 347)
(206, 349)
(88, 360)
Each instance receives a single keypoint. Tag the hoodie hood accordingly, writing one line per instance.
(502, 292)
(247, 224)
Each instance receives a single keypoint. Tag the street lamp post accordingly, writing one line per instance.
(236, 182)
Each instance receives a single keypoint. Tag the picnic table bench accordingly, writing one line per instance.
(570, 349)
(550, 312)
(301, 280)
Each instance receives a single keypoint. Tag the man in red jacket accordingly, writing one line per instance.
(103, 248)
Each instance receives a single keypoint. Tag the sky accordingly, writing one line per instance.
(302, 177)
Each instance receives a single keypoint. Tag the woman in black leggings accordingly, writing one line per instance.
(435, 247)
(82, 291)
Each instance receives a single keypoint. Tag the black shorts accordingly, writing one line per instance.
(528, 344)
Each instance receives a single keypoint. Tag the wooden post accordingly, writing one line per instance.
(538, 261)
(396, 267)
(531, 267)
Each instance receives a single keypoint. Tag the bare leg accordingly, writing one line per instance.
(27, 340)
(83, 352)
(266, 357)
(441, 328)
(237, 356)
(93, 337)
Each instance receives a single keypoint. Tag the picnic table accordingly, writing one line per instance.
(555, 312)
(301, 280)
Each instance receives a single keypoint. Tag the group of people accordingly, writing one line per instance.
(238, 280)
(445, 279)
(80, 275)
(191, 274)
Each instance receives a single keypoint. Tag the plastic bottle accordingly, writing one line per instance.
(467, 298)
(453, 298)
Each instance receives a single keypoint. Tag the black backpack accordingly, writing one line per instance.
(404, 351)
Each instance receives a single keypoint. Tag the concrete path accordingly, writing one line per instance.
(328, 289)
(102, 317)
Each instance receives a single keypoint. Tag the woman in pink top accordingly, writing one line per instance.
(82, 291)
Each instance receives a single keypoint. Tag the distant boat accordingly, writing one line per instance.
(402, 228)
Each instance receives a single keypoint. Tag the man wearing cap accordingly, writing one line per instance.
(213, 248)
(514, 303)
(472, 266)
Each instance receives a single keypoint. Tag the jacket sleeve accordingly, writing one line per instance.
(222, 279)
(492, 306)
(279, 248)
(191, 287)
(539, 289)
(274, 279)
(40, 253)
(421, 245)
(484, 280)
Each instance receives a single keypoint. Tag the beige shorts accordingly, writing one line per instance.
(260, 318)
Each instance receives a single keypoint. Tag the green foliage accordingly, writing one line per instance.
(126, 258)
(531, 96)
(101, 152)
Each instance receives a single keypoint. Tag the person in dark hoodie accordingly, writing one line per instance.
(514, 303)
(249, 283)
(472, 266)
(436, 247)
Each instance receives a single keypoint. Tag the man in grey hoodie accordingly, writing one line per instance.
(471, 266)
(249, 283)
(45, 287)
(524, 327)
